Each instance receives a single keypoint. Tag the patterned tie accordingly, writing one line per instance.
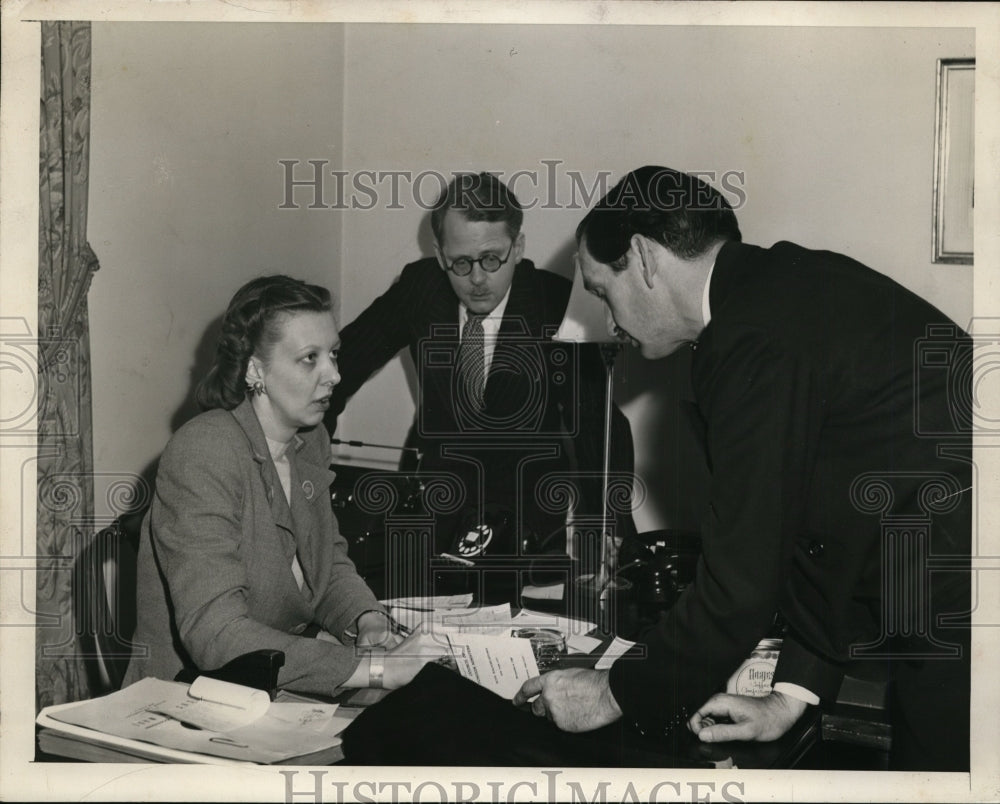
(472, 362)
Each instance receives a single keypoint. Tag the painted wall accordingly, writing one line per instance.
(189, 122)
(831, 130)
(827, 133)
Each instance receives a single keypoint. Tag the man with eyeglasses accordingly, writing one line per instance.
(501, 407)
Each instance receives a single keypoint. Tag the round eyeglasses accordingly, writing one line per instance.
(489, 262)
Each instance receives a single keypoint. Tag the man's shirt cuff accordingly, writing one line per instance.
(797, 692)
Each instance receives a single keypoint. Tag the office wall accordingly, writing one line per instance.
(188, 124)
(831, 129)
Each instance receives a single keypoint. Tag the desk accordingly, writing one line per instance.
(686, 749)
(442, 719)
(631, 749)
(785, 753)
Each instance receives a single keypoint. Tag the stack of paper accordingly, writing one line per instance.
(500, 664)
(434, 602)
(479, 639)
(491, 618)
(495, 620)
(553, 591)
(480, 642)
(211, 718)
(618, 648)
(569, 626)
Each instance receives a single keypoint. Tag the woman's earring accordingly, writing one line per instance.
(255, 385)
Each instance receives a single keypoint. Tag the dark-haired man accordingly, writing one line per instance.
(497, 398)
(828, 493)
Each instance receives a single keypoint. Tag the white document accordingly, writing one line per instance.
(567, 625)
(216, 705)
(434, 602)
(482, 616)
(505, 631)
(47, 718)
(314, 728)
(453, 619)
(618, 648)
(427, 642)
(553, 591)
(500, 664)
(282, 732)
(579, 643)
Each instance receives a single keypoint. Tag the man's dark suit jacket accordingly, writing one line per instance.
(537, 392)
(822, 439)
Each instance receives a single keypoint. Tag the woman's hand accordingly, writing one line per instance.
(407, 658)
(375, 631)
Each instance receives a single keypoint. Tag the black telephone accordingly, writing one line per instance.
(661, 565)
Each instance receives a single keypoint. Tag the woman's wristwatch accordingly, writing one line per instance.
(376, 668)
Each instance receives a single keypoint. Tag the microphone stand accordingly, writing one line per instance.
(605, 570)
(341, 441)
(604, 581)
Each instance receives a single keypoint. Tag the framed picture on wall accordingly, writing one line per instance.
(954, 164)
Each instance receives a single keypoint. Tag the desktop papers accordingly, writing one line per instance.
(492, 620)
(483, 644)
(555, 591)
(216, 705)
(567, 625)
(618, 648)
(283, 731)
(581, 643)
(488, 617)
(480, 641)
(435, 602)
(500, 664)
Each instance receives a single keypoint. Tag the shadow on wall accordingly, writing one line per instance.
(656, 396)
(204, 357)
(425, 236)
(561, 262)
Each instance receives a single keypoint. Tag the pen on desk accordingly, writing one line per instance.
(457, 560)
(409, 608)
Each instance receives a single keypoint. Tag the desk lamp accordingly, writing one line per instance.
(586, 321)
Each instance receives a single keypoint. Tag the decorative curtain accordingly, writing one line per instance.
(66, 265)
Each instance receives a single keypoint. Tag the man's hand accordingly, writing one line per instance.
(575, 700)
(761, 719)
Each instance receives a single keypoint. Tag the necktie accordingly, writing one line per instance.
(472, 362)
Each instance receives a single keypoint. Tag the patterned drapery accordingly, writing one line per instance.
(66, 264)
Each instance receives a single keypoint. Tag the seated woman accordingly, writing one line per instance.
(240, 549)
